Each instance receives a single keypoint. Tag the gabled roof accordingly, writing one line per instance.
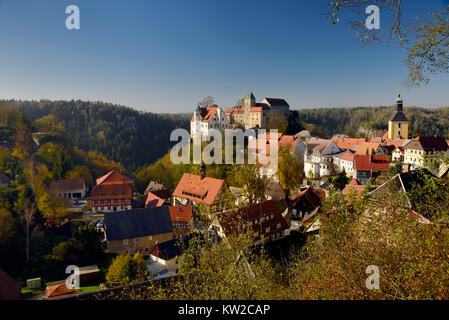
(153, 201)
(371, 162)
(158, 189)
(277, 102)
(266, 214)
(4, 178)
(114, 177)
(207, 113)
(193, 188)
(397, 142)
(354, 182)
(404, 182)
(9, 288)
(173, 248)
(137, 223)
(181, 213)
(349, 156)
(364, 147)
(68, 184)
(347, 143)
(112, 191)
(427, 143)
(319, 145)
(309, 197)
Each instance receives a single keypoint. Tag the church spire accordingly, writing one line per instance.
(399, 102)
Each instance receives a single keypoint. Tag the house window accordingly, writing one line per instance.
(125, 242)
(150, 238)
(137, 240)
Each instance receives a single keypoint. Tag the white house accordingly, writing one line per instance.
(319, 157)
(208, 118)
(347, 163)
(422, 149)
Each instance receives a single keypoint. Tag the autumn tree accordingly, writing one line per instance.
(290, 170)
(51, 206)
(126, 270)
(80, 172)
(251, 182)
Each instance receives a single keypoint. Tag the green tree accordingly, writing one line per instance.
(126, 270)
(341, 180)
(83, 248)
(277, 121)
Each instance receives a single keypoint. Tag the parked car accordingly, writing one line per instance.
(76, 201)
(100, 224)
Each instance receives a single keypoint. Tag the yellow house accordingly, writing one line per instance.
(398, 124)
(137, 230)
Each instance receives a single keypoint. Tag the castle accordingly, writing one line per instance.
(249, 115)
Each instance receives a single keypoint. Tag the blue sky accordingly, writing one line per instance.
(164, 56)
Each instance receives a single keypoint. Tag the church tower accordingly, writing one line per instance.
(248, 102)
(398, 124)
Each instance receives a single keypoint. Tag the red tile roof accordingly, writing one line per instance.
(153, 201)
(371, 162)
(354, 182)
(347, 143)
(114, 177)
(363, 147)
(207, 113)
(348, 157)
(112, 191)
(193, 188)
(235, 110)
(309, 196)
(181, 213)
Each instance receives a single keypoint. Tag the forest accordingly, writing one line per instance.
(122, 134)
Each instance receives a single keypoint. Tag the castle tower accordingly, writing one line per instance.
(398, 124)
(248, 102)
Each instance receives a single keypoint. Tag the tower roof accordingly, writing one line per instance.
(399, 99)
(249, 95)
(399, 116)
